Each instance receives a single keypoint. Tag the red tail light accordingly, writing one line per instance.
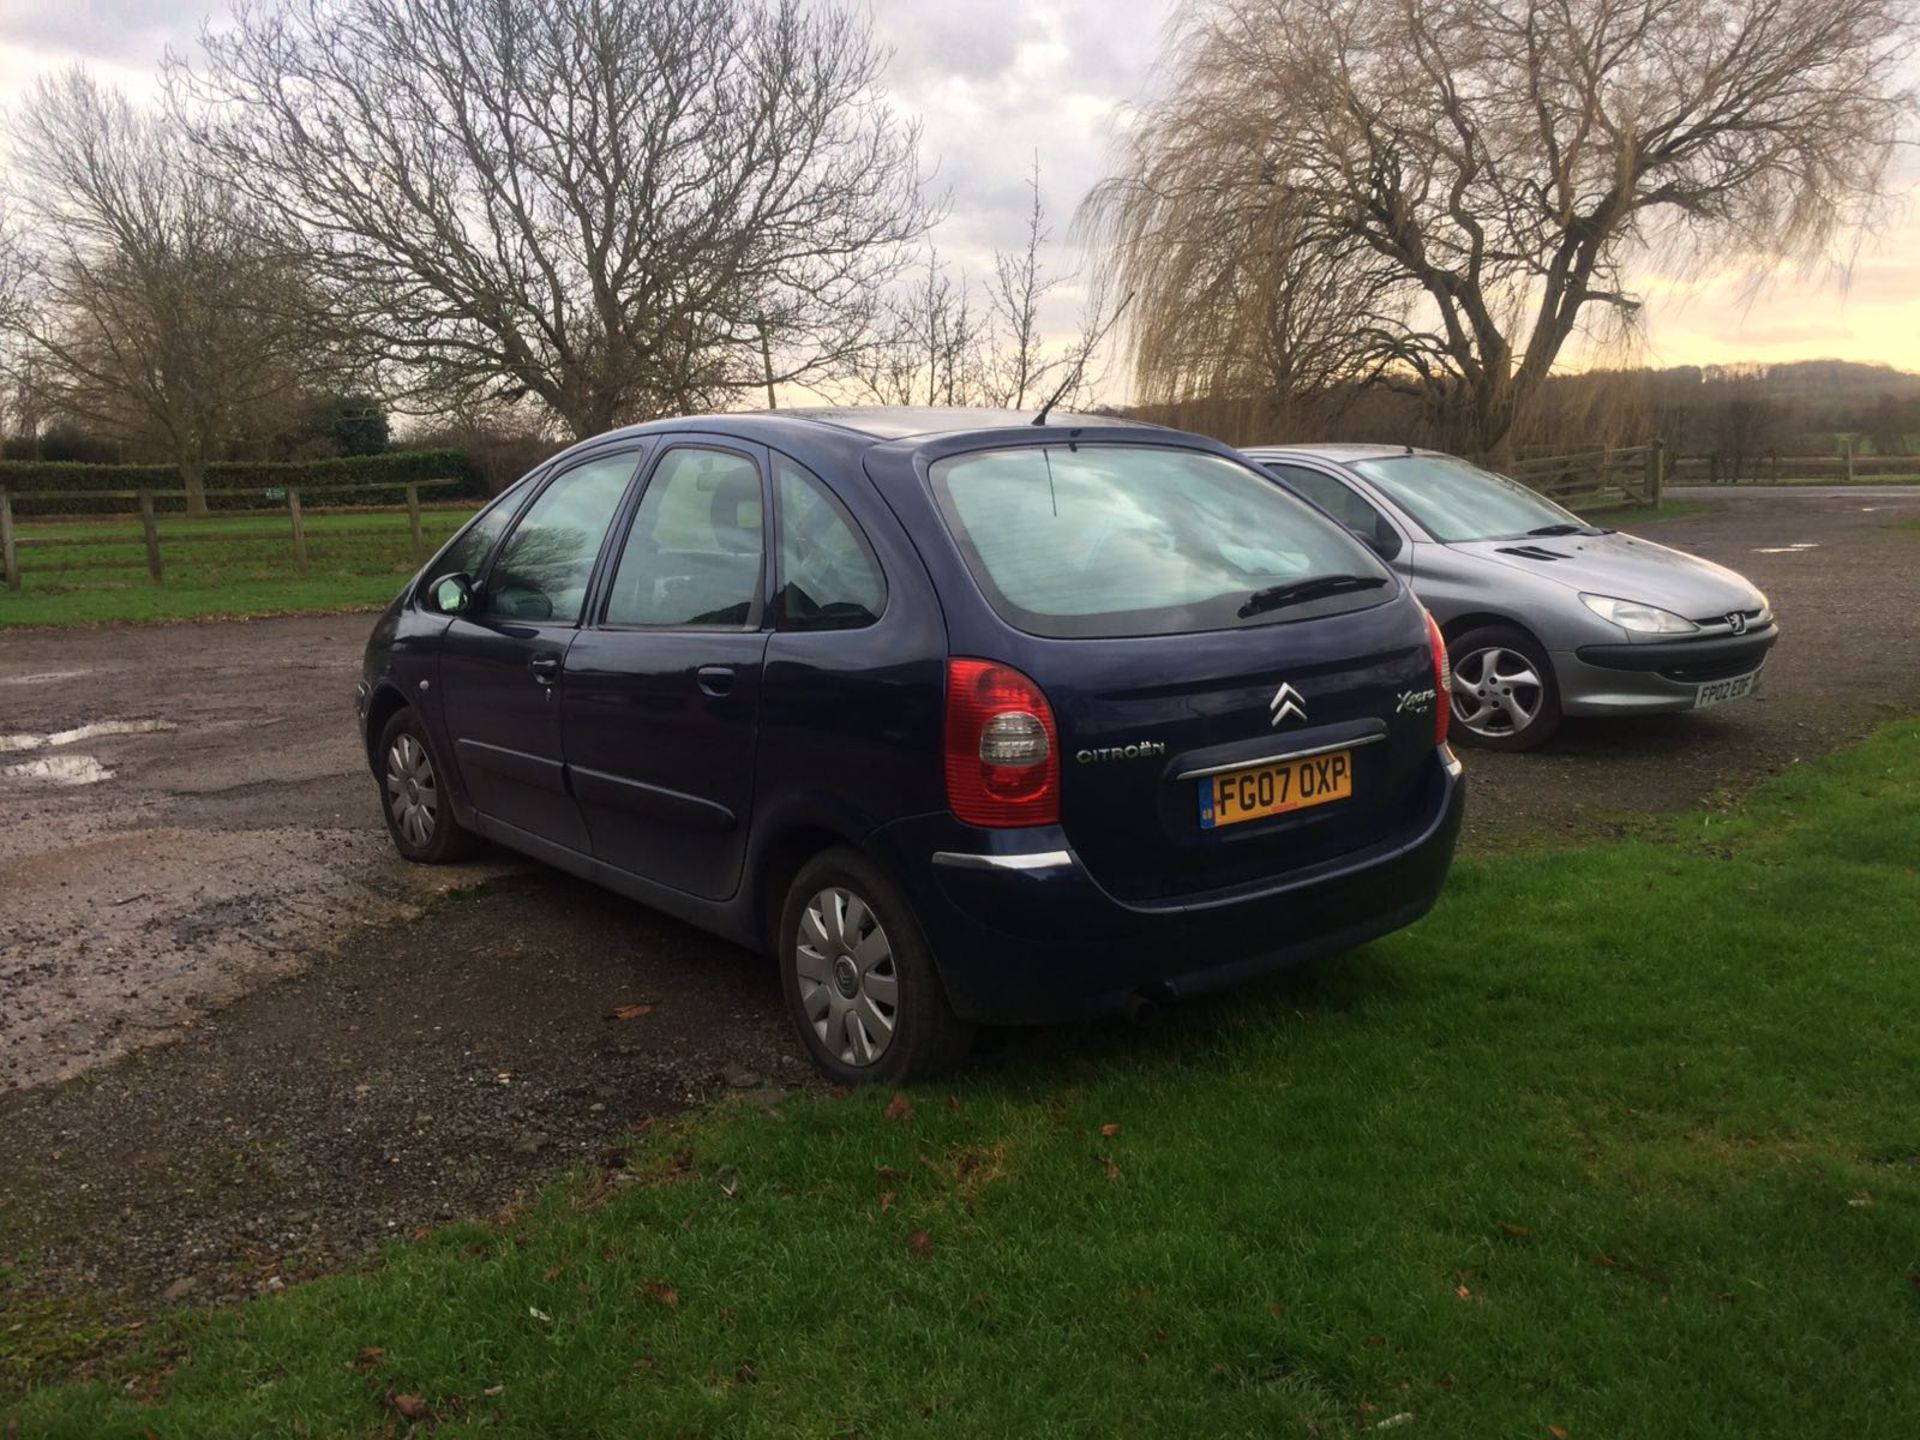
(1442, 681)
(1003, 757)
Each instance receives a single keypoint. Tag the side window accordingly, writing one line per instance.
(828, 578)
(543, 569)
(1341, 502)
(468, 553)
(696, 550)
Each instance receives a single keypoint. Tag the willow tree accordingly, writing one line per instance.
(616, 208)
(1472, 181)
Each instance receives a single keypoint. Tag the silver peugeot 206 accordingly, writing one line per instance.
(1544, 614)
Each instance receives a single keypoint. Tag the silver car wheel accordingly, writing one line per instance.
(1496, 691)
(411, 793)
(849, 984)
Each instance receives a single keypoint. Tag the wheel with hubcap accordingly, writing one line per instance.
(1504, 696)
(861, 987)
(412, 799)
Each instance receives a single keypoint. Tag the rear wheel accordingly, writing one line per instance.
(413, 800)
(1504, 694)
(860, 984)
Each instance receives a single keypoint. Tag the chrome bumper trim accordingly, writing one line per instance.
(1285, 755)
(1043, 860)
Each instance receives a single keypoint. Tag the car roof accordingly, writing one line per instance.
(875, 422)
(903, 422)
(816, 435)
(1336, 452)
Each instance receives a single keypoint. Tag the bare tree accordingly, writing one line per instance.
(622, 208)
(1500, 162)
(927, 345)
(153, 313)
(1019, 365)
(935, 344)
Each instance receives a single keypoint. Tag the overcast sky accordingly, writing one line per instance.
(994, 81)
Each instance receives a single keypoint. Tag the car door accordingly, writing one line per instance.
(662, 693)
(501, 659)
(1347, 505)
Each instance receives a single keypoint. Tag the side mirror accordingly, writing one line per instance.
(452, 594)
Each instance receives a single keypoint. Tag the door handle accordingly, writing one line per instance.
(715, 679)
(545, 668)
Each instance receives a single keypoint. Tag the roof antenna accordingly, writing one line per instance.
(1091, 343)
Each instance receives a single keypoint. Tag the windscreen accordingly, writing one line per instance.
(1458, 501)
(1113, 540)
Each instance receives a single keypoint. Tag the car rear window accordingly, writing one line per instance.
(1085, 541)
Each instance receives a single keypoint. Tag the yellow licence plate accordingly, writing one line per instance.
(1262, 790)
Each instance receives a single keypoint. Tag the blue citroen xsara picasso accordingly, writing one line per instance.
(962, 717)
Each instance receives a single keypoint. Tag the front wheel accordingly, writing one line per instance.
(1504, 694)
(860, 984)
(414, 801)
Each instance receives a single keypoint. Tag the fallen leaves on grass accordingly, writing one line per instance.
(899, 1108)
(369, 1357)
(408, 1407)
(886, 1201)
(1113, 1170)
(663, 1292)
(1556, 1432)
(631, 1012)
(1109, 1130)
(920, 1245)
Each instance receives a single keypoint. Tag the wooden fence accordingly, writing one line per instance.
(1627, 475)
(290, 502)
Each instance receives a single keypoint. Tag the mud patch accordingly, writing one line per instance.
(125, 940)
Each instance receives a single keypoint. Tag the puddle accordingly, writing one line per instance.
(43, 677)
(16, 743)
(60, 770)
(1793, 549)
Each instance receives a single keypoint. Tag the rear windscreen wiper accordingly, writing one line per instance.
(1295, 591)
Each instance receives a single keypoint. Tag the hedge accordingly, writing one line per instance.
(241, 484)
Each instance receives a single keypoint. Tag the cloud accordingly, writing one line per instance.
(1000, 82)
(118, 32)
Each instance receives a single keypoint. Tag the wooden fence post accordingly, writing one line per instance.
(150, 533)
(8, 563)
(413, 520)
(1846, 449)
(299, 530)
(1656, 471)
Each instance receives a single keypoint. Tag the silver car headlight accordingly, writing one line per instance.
(1640, 619)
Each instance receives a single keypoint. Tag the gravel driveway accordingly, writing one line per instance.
(358, 1052)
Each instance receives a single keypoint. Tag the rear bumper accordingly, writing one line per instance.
(1027, 935)
(1654, 678)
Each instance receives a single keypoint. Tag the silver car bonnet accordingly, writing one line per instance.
(1626, 568)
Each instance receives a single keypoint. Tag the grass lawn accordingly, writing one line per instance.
(1619, 1142)
(221, 565)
